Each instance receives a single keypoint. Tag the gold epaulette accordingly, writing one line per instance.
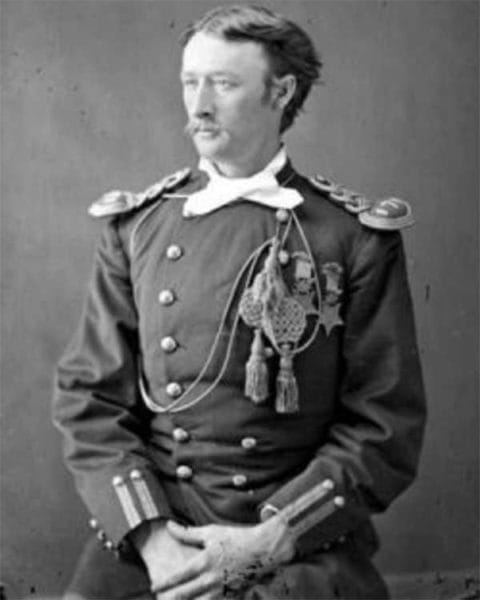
(384, 213)
(118, 201)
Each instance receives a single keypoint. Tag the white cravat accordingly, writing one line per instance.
(262, 187)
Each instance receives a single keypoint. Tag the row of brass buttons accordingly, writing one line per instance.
(185, 472)
(168, 343)
(181, 435)
(167, 297)
(174, 390)
(101, 535)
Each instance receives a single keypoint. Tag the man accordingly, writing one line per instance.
(244, 388)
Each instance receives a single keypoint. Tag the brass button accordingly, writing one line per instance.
(101, 535)
(135, 474)
(184, 472)
(108, 545)
(339, 501)
(239, 480)
(281, 215)
(173, 389)
(248, 443)
(168, 344)
(93, 523)
(283, 257)
(166, 297)
(117, 480)
(174, 252)
(180, 435)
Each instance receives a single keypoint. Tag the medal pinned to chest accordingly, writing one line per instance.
(278, 312)
(304, 279)
(330, 314)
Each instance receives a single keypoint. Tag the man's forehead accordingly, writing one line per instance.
(208, 53)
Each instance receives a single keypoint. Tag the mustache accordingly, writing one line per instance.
(193, 127)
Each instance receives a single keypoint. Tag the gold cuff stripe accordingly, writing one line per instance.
(314, 506)
(311, 519)
(307, 500)
(145, 498)
(128, 506)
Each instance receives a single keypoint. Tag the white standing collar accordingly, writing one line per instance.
(263, 188)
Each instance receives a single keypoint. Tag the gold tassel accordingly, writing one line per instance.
(256, 380)
(287, 389)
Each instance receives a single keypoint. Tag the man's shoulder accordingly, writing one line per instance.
(124, 202)
(350, 208)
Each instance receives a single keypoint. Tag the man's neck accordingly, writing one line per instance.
(251, 165)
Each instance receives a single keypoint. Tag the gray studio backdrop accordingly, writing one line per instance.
(91, 101)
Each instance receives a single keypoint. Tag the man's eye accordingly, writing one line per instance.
(189, 83)
(224, 84)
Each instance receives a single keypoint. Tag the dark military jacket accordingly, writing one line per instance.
(162, 309)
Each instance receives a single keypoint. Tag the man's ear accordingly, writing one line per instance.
(283, 90)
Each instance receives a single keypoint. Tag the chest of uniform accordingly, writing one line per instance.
(190, 267)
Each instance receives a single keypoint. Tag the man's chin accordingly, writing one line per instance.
(208, 148)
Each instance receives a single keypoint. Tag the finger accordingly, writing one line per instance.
(192, 536)
(207, 586)
(190, 570)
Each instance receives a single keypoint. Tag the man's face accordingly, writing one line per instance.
(230, 116)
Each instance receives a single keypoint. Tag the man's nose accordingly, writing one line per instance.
(202, 100)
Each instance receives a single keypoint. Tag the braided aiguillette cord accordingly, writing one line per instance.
(228, 353)
(306, 245)
(253, 259)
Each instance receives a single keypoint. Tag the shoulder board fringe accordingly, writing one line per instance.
(387, 214)
(118, 201)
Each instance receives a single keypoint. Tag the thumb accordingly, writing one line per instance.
(193, 536)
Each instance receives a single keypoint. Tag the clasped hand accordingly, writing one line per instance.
(220, 558)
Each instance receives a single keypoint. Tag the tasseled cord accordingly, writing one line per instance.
(256, 376)
(287, 389)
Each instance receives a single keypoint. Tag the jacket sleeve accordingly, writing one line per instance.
(97, 405)
(372, 450)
